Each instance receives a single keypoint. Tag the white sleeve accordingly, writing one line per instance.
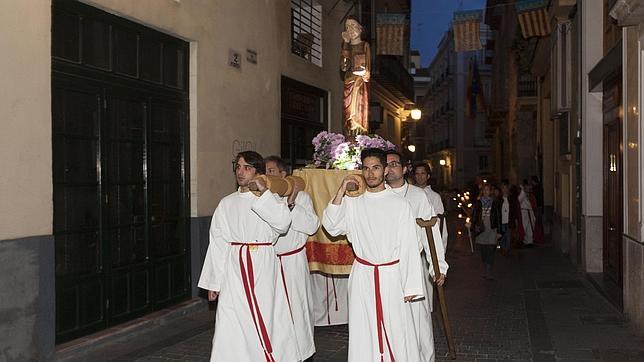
(274, 211)
(214, 266)
(410, 263)
(440, 209)
(427, 212)
(303, 217)
(440, 249)
(444, 234)
(334, 219)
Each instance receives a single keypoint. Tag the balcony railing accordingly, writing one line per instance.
(438, 146)
(392, 75)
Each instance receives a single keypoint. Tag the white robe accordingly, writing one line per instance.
(527, 218)
(381, 228)
(437, 203)
(330, 299)
(421, 308)
(244, 217)
(304, 222)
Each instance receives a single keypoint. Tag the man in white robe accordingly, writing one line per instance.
(253, 323)
(386, 273)
(527, 215)
(421, 308)
(421, 176)
(294, 266)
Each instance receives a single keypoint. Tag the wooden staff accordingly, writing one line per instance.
(428, 224)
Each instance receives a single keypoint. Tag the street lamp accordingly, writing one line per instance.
(442, 162)
(416, 114)
(411, 148)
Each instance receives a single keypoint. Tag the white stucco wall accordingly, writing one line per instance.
(25, 104)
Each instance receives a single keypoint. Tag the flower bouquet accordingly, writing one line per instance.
(332, 150)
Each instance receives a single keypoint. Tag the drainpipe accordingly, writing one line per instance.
(578, 137)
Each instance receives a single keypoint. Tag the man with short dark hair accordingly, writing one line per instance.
(275, 166)
(421, 308)
(242, 270)
(387, 271)
(422, 175)
(290, 249)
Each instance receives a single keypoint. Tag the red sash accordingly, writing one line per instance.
(288, 253)
(335, 297)
(379, 315)
(248, 279)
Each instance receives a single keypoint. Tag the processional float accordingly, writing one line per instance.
(337, 156)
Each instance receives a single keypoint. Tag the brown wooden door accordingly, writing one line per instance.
(613, 210)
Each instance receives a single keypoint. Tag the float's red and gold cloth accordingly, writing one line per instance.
(326, 254)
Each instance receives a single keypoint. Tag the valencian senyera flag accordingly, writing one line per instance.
(390, 33)
(475, 100)
(467, 30)
(533, 17)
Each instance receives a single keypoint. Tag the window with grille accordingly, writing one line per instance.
(306, 30)
(483, 163)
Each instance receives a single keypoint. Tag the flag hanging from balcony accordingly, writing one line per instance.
(533, 17)
(475, 100)
(390, 33)
(467, 30)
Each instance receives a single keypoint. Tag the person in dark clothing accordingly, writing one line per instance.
(515, 207)
(485, 227)
(537, 190)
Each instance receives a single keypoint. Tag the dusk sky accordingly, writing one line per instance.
(429, 21)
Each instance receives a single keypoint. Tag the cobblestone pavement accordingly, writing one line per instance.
(538, 308)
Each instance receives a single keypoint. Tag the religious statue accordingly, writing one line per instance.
(356, 66)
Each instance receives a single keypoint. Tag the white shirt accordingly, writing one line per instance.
(421, 208)
(435, 200)
(505, 211)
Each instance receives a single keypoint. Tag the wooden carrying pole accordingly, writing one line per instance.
(428, 224)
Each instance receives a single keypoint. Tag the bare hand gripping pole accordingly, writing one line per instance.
(427, 224)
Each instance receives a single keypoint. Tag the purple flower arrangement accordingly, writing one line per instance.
(332, 150)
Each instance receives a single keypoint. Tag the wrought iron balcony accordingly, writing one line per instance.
(438, 146)
(391, 74)
(527, 86)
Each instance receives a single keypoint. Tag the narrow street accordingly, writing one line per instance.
(538, 308)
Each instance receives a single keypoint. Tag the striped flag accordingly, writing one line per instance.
(467, 30)
(533, 17)
(475, 99)
(390, 33)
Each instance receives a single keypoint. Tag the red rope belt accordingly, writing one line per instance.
(335, 297)
(288, 253)
(379, 315)
(248, 278)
